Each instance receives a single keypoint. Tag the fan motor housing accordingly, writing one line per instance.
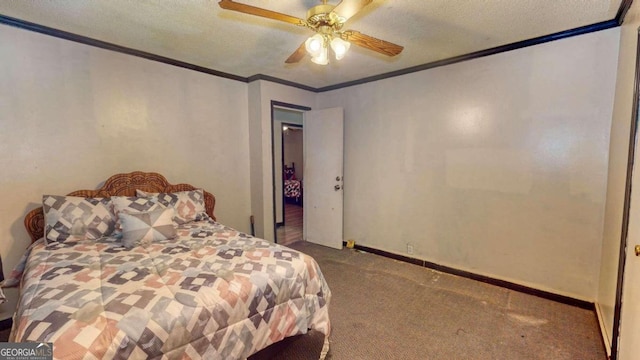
(321, 16)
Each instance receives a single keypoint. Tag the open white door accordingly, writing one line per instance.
(323, 158)
(630, 307)
(630, 312)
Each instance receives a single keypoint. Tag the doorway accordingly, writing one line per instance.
(287, 155)
(291, 230)
(322, 170)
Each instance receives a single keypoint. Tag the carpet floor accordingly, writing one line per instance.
(386, 309)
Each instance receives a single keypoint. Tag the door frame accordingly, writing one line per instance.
(290, 125)
(633, 137)
(284, 105)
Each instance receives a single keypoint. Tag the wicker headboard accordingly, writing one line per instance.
(120, 185)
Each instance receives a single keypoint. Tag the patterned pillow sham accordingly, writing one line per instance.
(188, 205)
(72, 218)
(145, 227)
(131, 205)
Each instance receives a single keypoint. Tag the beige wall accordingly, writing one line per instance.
(293, 151)
(496, 166)
(72, 115)
(256, 161)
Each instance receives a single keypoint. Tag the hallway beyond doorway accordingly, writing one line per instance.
(291, 231)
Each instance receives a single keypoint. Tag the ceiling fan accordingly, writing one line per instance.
(327, 21)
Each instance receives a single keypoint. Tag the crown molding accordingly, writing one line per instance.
(26, 25)
(478, 54)
(281, 81)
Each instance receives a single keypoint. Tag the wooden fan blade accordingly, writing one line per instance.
(347, 8)
(297, 55)
(371, 43)
(248, 9)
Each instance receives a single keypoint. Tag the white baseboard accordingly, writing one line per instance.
(606, 337)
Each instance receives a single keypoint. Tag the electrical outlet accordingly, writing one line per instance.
(409, 249)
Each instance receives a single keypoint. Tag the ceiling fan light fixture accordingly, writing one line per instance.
(322, 58)
(339, 47)
(327, 21)
(315, 45)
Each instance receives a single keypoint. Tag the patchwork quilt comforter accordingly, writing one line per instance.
(212, 293)
(292, 188)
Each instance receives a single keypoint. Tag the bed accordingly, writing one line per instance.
(292, 186)
(208, 292)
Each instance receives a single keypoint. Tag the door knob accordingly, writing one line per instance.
(337, 187)
(637, 250)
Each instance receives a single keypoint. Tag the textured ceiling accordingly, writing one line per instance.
(199, 32)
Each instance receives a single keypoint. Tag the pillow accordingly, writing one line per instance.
(143, 228)
(188, 205)
(131, 204)
(71, 218)
(289, 174)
